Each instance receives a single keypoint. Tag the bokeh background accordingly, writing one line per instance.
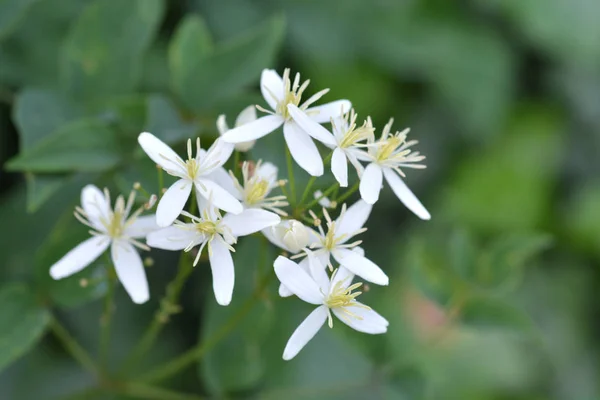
(495, 298)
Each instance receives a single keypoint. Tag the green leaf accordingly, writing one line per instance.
(103, 52)
(165, 121)
(238, 362)
(489, 313)
(22, 322)
(41, 187)
(11, 12)
(463, 253)
(202, 77)
(83, 145)
(582, 219)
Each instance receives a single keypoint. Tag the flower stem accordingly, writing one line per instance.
(290, 168)
(312, 181)
(105, 320)
(325, 194)
(350, 191)
(195, 353)
(77, 352)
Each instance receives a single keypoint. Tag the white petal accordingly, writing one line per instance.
(303, 149)
(323, 113)
(304, 332)
(172, 202)
(223, 179)
(271, 87)
(251, 220)
(311, 127)
(142, 226)
(218, 196)
(369, 321)
(253, 130)
(268, 171)
(360, 266)
(221, 265)
(317, 271)
(370, 183)
(174, 237)
(297, 280)
(405, 195)
(161, 154)
(215, 157)
(95, 206)
(79, 257)
(130, 271)
(222, 124)
(247, 115)
(343, 275)
(353, 219)
(339, 167)
(284, 291)
(272, 237)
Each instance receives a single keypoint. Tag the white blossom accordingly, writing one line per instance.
(281, 94)
(195, 172)
(113, 228)
(247, 115)
(333, 295)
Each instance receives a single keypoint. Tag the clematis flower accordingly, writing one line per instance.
(247, 115)
(331, 295)
(113, 228)
(345, 141)
(194, 172)
(387, 156)
(217, 233)
(280, 92)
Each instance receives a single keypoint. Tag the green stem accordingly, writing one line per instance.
(325, 194)
(74, 348)
(195, 353)
(105, 321)
(290, 168)
(312, 181)
(161, 181)
(350, 191)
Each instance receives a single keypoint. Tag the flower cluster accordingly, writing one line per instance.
(226, 206)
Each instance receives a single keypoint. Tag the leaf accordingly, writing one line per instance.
(103, 52)
(201, 77)
(83, 145)
(582, 218)
(41, 187)
(489, 313)
(165, 122)
(22, 322)
(11, 12)
(462, 253)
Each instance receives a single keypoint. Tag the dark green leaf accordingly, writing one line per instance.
(165, 121)
(103, 53)
(22, 322)
(463, 253)
(84, 145)
(490, 313)
(11, 12)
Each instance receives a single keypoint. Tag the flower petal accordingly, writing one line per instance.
(223, 179)
(174, 237)
(221, 265)
(130, 271)
(311, 127)
(222, 126)
(268, 171)
(303, 149)
(218, 196)
(215, 156)
(343, 275)
(361, 266)
(339, 167)
(172, 202)
(95, 205)
(246, 116)
(284, 291)
(142, 226)
(251, 220)
(353, 219)
(271, 87)
(317, 271)
(323, 113)
(162, 154)
(79, 257)
(370, 183)
(305, 331)
(368, 322)
(297, 280)
(405, 195)
(253, 130)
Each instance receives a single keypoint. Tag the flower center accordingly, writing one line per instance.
(208, 228)
(387, 147)
(256, 191)
(341, 297)
(115, 226)
(292, 93)
(330, 240)
(191, 166)
(352, 134)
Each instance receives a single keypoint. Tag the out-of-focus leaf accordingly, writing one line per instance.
(127, 114)
(41, 187)
(582, 219)
(83, 145)
(103, 53)
(201, 77)
(509, 186)
(481, 312)
(165, 121)
(11, 12)
(463, 253)
(155, 68)
(22, 322)
(237, 363)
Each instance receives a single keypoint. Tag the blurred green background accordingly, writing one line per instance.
(493, 299)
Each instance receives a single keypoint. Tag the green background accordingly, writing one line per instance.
(492, 299)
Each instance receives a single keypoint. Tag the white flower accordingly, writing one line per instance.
(290, 235)
(335, 243)
(194, 172)
(280, 93)
(345, 140)
(114, 228)
(218, 234)
(247, 115)
(331, 295)
(324, 201)
(387, 156)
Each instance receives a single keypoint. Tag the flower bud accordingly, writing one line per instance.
(293, 234)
